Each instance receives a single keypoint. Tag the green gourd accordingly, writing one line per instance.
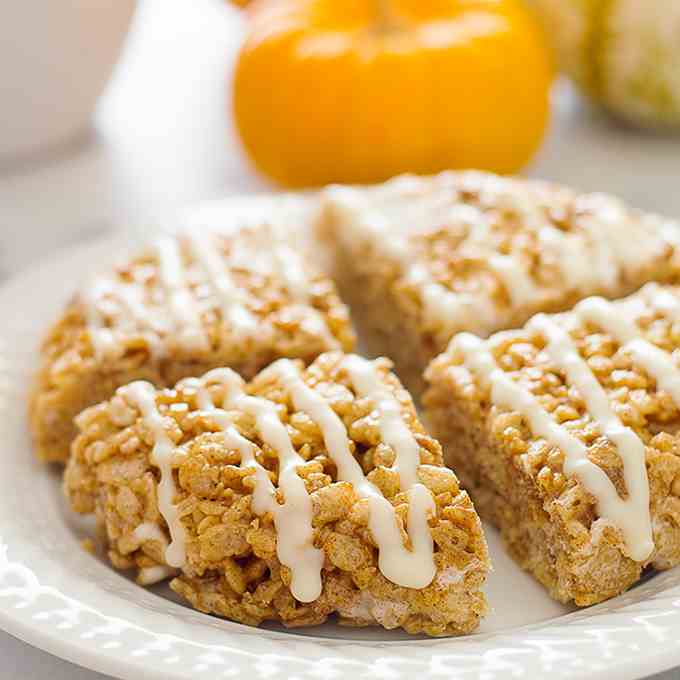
(625, 54)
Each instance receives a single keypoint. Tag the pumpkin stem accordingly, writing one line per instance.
(387, 20)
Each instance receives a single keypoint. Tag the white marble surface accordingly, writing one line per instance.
(164, 140)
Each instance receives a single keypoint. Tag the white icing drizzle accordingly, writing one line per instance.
(418, 205)
(393, 429)
(409, 568)
(669, 228)
(289, 266)
(629, 515)
(142, 395)
(631, 240)
(601, 261)
(519, 286)
(658, 363)
(383, 213)
(148, 576)
(631, 449)
(516, 280)
(102, 337)
(114, 308)
(569, 253)
(135, 315)
(441, 304)
(662, 300)
(131, 315)
(136, 311)
(148, 531)
(610, 240)
(570, 250)
(181, 303)
(315, 324)
(293, 518)
(264, 493)
(230, 297)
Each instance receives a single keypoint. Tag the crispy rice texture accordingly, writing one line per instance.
(73, 376)
(232, 569)
(388, 307)
(549, 522)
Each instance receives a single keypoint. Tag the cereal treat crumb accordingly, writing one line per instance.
(87, 544)
(419, 259)
(301, 494)
(565, 433)
(186, 305)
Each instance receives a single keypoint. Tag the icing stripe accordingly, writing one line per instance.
(631, 240)
(440, 304)
(133, 316)
(149, 576)
(102, 338)
(611, 240)
(630, 447)
(662, 301)
(181, 305)
(570, 254)
(584, 259)
(289, 266)
(264, 493)
(518, 284)
(148, 531)
(588, 259)
(137, 314)
(469, 310)
(568, 250)
(393, 429)
(516, 280)
(601, 259)
(658, 363)
(508, 394)
(411, 569)
(114, 308)
(293, 518)
(395, 433)
(142, 395)
(230, 298)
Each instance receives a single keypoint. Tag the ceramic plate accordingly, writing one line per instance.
(57, 596)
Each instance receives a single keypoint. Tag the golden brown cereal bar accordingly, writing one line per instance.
(565, 433)
(419, 259)
(184, 306)
(304, 493)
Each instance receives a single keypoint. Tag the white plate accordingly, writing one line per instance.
(55, 595)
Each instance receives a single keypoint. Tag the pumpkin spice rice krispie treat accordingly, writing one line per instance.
(419, 259)
(302, 494)
(566, 435)
(183, 306)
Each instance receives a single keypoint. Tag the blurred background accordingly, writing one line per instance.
(121, 115)
(164, 135)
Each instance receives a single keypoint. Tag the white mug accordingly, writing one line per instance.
(55, 59)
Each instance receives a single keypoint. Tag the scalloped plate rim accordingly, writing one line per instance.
(370, 656)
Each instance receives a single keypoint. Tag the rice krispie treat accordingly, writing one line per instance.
(566, 435)
(304, 493)
(419, 259)
(186, 305)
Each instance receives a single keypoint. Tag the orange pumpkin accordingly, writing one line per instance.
(360, 90)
